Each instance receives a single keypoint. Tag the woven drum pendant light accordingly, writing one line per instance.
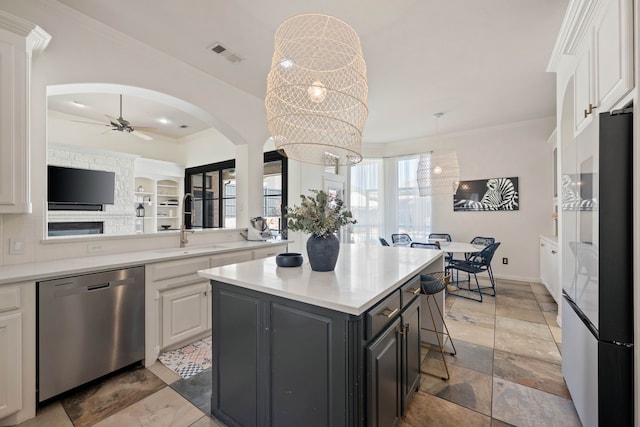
(438, 171)
(316, 97)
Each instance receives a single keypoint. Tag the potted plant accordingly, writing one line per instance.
(320, 215)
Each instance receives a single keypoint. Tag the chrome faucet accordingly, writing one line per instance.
(183, 227)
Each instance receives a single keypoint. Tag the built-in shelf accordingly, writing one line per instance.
(164, 208)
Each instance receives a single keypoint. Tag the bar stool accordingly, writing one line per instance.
(430, 285)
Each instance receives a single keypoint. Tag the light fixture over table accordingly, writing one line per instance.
(316, 97)
(438, 171)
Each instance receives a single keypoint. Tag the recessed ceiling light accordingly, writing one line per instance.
(78, 104)
(163, 120)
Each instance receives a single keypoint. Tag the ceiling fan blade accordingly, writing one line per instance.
(141, 135)
(146, 129)
(91, 123)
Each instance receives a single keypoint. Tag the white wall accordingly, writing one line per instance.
(208, 146)
(519, 150)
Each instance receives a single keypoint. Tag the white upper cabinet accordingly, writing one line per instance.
(613, 43)
(18, 40)
(583, 79)
(595, 47)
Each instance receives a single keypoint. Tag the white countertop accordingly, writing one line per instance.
(72, 266)
(552, 239)
(363, 276)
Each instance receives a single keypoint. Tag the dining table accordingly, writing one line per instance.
(450, 247)
(460, 247)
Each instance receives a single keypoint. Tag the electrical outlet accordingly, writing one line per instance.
(16, 247)
(505, 260)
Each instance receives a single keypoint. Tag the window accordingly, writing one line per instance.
(274, 184)
(384, 200)
(413, 213)
(213, 187)
(366, 201)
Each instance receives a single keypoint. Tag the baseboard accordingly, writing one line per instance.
(517, 278)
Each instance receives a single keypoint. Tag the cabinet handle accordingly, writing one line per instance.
(590, 110)
(542, 244)
(389, 314)
(415, 291)
(554, 252)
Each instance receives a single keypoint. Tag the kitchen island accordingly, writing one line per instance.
(292, 346)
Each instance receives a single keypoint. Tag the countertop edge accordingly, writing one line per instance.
(36, 271)
(332, 305)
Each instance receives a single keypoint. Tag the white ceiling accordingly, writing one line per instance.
(482, 63)
(139, 111)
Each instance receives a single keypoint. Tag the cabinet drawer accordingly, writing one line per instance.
(383, 313)
(267, 252)
(178, 268)
(410, 291)
(9, 299)
(219, 260)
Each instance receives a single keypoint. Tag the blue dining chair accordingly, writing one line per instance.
(401, 239)
(425, 245)
(444, 236)
(481, 241)
(478, 262)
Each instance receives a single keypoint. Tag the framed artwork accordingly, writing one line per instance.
(494, 194)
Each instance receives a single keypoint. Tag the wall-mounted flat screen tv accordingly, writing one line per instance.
(73, 186)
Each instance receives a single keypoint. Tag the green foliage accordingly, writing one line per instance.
(320, 214)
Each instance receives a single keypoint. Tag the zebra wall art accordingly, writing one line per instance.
(495, 194)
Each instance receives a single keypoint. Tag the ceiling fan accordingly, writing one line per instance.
(121, 125)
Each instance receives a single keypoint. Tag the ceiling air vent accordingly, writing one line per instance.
(221, 50)
(183, 126)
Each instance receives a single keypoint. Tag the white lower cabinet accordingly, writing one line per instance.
(219, 260)
(10, 364)
(17, 353)
(267, 252)
(549, 272)
(184, 313)
(176, 304)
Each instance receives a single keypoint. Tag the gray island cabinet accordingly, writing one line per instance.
(295, 347)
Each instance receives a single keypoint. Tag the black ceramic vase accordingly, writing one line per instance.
(323, 252)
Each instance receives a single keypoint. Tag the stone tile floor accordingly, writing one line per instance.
(506, 372)
(507, 367)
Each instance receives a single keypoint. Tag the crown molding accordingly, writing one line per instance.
(37, 38)
(575, 25)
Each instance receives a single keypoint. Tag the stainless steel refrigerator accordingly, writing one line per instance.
(596, 206)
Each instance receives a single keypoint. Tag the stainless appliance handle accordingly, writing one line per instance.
(98, 286)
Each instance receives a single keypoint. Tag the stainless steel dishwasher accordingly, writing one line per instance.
(88, 326)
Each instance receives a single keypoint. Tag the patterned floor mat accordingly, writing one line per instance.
(190, 359)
